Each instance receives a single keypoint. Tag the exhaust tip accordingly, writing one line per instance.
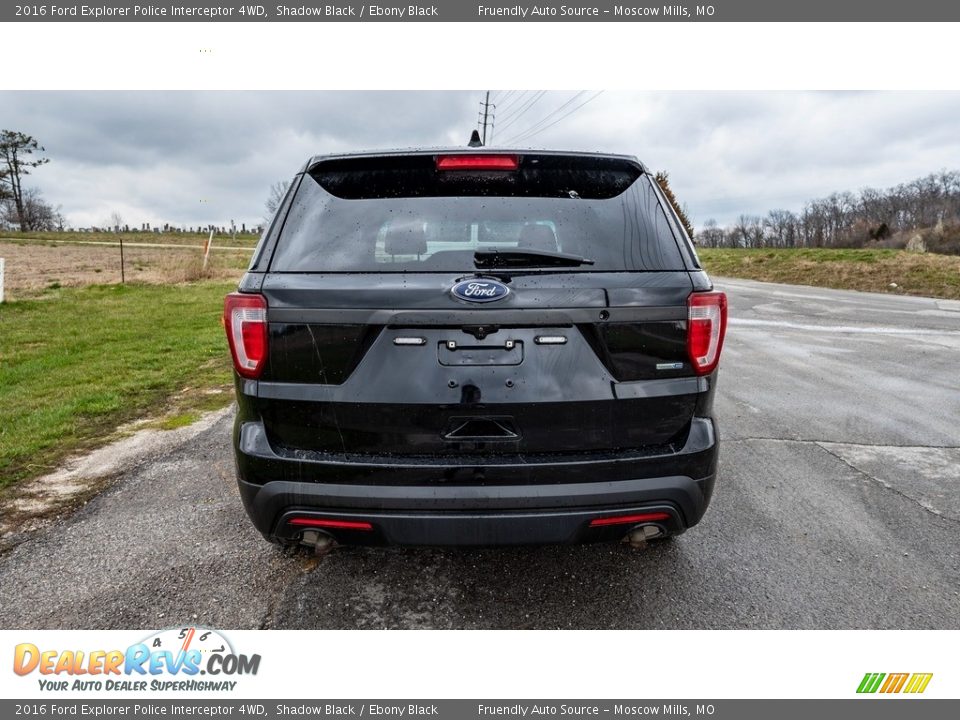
(640, 534)
(321, 542)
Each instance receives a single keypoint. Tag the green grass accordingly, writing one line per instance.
(78, 363)
(887, 271)
(178, 421)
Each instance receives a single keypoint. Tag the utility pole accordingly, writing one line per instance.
(487, 119)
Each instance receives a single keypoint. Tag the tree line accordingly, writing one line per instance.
(924, 211)
(927, 209)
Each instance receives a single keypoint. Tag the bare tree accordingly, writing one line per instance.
(748, 231)
(31, 214)
(780, 227)
(277, 191)
(711, 235)
(16, 153)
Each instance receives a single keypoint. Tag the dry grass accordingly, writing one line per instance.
(186, 267)
(883, 271)
(35, 268)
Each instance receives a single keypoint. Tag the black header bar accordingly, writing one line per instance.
(486, 11)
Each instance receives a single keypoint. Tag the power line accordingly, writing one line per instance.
(505, 103)
(551, 114)
(518, 108)
(535, 130)
(521, 111)
(526, 136)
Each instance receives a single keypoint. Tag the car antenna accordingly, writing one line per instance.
(475, 140)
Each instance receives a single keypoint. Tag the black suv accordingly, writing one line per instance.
(474, 347)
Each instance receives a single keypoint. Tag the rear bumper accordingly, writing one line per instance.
(522, 501)
(473, 518)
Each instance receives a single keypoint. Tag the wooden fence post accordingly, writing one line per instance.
(206, 250)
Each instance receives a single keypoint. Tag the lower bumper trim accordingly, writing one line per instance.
(475, 515)
(477, 529)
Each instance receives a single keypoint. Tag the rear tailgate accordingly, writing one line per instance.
(552, 368)
(370, 352)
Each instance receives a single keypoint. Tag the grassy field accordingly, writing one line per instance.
(78, 363)
(183, 238)
(886, 271)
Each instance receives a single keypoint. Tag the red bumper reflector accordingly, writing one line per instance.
(478, 162)
(332, 524)
(630, 519)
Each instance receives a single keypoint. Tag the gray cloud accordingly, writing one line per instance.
(197, 157)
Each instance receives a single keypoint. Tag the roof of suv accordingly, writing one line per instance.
(461, 150)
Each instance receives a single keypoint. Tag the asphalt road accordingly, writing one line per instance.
(837, 506)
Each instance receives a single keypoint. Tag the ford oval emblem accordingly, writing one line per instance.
(480, 291)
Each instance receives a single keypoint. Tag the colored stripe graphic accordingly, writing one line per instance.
(870, 682)
(918, 682)
(894, 683)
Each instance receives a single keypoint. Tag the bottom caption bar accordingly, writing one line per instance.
(852, 709)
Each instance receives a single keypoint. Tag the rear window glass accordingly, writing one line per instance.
(403, 215)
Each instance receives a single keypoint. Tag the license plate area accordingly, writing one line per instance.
(481, 428)
(451, 353)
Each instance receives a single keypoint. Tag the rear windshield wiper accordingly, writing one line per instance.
(494, 258)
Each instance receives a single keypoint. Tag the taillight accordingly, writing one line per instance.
(245, 320)
(706, 326)
(478, 162)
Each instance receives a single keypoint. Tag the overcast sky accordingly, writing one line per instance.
(193, 158)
